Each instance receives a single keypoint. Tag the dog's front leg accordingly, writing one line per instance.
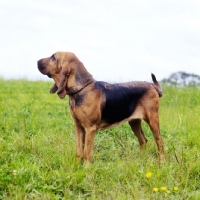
(89, 143)
(80, 140)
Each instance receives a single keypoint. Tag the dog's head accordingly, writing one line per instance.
(68, 72)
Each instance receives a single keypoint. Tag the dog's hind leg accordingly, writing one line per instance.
(136, 127)
(153, 122)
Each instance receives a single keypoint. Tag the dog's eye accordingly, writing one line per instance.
(53, 57)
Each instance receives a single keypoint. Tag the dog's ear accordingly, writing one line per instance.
(62, 85)
(53, 89)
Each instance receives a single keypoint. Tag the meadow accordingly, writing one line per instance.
(37, 150)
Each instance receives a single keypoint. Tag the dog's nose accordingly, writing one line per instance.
(40, 65)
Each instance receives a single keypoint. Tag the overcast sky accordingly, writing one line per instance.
(116, 40)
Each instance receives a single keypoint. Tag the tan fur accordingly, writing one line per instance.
(87, 102)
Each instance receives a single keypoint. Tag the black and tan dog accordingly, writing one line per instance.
(96, 105)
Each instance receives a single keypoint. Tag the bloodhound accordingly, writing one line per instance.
(97, 105)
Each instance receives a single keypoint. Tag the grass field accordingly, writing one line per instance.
(37, 150)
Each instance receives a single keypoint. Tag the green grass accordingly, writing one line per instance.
(37, 140)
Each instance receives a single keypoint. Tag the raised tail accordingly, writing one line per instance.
(157, 85)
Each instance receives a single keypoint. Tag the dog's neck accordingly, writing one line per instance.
(71, 93)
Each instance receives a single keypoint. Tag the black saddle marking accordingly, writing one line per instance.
(121, 99)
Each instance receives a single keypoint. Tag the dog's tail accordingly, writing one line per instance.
(157, 85)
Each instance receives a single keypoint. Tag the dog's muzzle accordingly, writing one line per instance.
(41, 66)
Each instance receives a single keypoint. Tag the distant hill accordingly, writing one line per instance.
(182, 79)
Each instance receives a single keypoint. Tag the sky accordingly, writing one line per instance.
(117, 41)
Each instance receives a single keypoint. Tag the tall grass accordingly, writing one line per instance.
(37, 150)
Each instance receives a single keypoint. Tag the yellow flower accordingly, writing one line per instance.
(155, 189)
(148, 174)
(175, 188)
(163, 188)
(168, 191)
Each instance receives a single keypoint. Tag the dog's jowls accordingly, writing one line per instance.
(97, 105)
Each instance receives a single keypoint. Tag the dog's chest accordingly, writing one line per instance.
(71, 103)
(76, 101)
